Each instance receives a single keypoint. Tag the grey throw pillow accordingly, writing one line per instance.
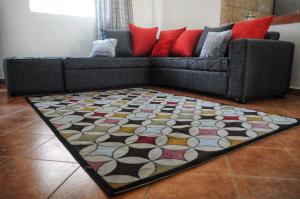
(123, 48)
(104, 48)
(216, 44)
(206, 30)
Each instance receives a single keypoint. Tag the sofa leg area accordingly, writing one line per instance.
(282, 96)
(240, 100)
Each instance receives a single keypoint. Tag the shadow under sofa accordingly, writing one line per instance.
(253, 69)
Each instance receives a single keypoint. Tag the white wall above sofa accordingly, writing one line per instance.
(190, 13)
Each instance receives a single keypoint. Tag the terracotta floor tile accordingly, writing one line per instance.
(295, 153)
(52, 150)
(11, 104)
(7, 100)
(291, 138)
(16, 120)
(264, 162)
(9, 109)
(216, 166)
(269, 142)
(81, 186)
(32, 178)
(37, 127)
(268, 188)
(3, 160)
(15, 144)
(193, 186)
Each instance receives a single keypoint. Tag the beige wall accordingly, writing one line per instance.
(142, 12)
(191, 13)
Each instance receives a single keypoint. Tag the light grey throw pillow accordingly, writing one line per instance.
(216, 44)
(104, 48)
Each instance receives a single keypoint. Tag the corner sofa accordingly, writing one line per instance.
(253, 69)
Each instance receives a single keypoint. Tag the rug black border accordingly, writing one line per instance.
(111, 191)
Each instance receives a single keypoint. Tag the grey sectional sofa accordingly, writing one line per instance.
(253, 69)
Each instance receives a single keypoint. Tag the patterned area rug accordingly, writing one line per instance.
(127, 138)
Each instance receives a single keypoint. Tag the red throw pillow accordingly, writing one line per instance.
(170, 34)
(162, 48)
(186, 43)
(254, 29)
(142, 40)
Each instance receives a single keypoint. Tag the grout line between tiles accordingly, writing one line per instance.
(287, 149)
(17, 128)
(6, 115)
(232, 178)
(268, 177)
(63, 182)
(291, 154)
(146, 192)
(29, 158)
(29, 151)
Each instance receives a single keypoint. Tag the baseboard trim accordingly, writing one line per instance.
(294, 91)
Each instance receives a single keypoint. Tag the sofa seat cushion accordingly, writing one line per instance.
(106, 63)
(169, 62)
(208, 64)
(192, 63)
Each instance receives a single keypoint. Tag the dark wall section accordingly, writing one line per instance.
(285, 7)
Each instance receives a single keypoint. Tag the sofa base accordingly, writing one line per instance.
(106, 78)
(204, 81)
(33, 76)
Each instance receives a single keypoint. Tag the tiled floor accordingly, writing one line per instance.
(34, 164)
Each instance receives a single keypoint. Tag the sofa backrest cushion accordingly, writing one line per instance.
(123, 48)
(186, 43)
(162, 48)
(142, 40)
(272, 35)
(253, 29)
(170, 34)
(204, 35)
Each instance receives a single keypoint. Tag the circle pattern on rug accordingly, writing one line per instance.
(132, 134)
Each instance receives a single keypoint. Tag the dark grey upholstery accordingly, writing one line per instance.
(106, 62)
(123, 48)
(215, 65)
(254, 69)
(28, 76)
(91, 73)
(259, 68)
(271, 35)
(191, 63)
(204, 81)
(170, 62)
(206, 75)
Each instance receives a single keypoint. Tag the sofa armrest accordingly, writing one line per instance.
(259, 68)
(33, 75)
